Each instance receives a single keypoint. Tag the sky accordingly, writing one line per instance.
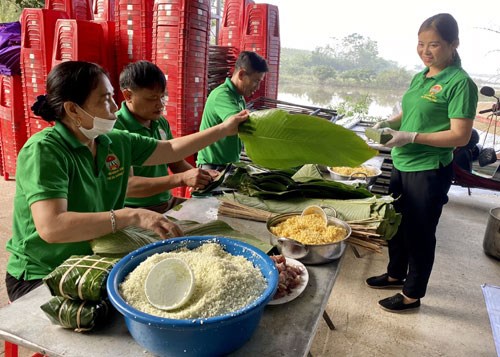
(393, 24)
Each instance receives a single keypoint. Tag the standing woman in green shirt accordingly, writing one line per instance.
(71, 178)
(437, 115)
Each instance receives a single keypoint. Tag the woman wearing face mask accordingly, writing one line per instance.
(72, 178)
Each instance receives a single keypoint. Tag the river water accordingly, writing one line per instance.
(382, 104)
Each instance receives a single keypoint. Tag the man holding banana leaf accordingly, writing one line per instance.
(227, 100)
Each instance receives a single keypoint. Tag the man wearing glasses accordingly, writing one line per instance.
(143, 86)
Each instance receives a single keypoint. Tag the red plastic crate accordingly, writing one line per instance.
(233, 16)
(134, 31)
(1, 157)
(37, 30)
(185, 4)
(76, 9)
(104, 10)
(13, 129)
(35, 124)
(79, 40)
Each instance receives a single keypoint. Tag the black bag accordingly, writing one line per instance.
(487, 157)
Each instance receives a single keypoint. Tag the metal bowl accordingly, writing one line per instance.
(308, 253)
(370, 180)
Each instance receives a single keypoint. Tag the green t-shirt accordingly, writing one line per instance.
(222, 102)
(160, 130)
(54, 164)
(428, 105)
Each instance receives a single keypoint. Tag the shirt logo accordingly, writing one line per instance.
(432, 93)
(112, 162)
(163, 135)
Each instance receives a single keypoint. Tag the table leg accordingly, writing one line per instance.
(355, 251)
(328, 321)
(11, 349)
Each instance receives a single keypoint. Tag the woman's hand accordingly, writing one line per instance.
(231, 124)
(158, 223)
(399, 138)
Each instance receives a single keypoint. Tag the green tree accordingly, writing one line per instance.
(30, 3)
(395, 78)
(323, 73)
(11, 10)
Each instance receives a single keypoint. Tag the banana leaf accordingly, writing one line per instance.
(121, 243)
(81, 277)
(75, 314)
(307, 172)
(379, 209)
(274, 138)
(279, 185)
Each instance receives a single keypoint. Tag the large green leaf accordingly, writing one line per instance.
(274, 138)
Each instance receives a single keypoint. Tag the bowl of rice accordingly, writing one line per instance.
(233, 280)
(366, 172)
(307, 238)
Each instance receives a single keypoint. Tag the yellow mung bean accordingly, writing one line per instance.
(309, 229)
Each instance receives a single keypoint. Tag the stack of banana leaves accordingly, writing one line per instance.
(262, 193)
(119, 244)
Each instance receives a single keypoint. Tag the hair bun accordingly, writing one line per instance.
(40, 106)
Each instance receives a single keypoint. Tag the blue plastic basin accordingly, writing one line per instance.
(214, 336)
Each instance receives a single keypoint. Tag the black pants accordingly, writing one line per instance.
(422, 196)
(19, 287)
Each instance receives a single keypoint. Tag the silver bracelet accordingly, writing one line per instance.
(113, 220)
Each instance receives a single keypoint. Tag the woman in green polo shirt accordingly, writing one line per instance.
(71, 178)
(437, 115)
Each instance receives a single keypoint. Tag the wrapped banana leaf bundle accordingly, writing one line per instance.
(78, 315)
(306, 182)
(121, 243)
(81, 277)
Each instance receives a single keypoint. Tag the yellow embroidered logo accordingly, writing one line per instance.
(112, 162)
(114, 167)
(432, 93)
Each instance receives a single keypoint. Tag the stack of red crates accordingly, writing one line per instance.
(104, 10)
(37, 40)
(79, 40)
(12, 123)
(233, 16)
(134, 31)
(180, 48)
(262, 35)
(104, 14)
(74, 9)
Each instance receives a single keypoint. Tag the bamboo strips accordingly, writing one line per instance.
(363, 234)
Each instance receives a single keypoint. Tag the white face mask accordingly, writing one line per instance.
(101, 126)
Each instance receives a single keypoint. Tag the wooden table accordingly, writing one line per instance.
(284, 330)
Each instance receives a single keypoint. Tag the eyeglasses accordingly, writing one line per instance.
(150, 97)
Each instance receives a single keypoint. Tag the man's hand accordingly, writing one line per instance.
(198, 178)
(399, 138)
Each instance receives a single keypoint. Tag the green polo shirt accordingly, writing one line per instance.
(54, 164)
(222, 102)
(160, 130)
(428, 105)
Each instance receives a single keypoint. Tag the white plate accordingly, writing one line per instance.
(304, 278)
